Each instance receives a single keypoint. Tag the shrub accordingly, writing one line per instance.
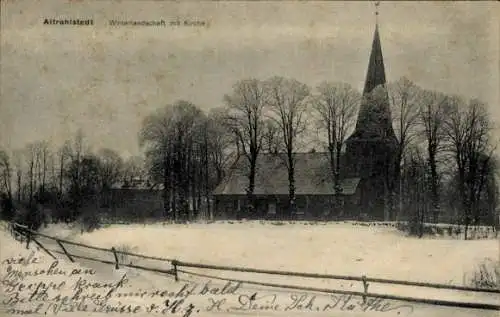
(124, 258)
(278, 223)
(6, 207)
(428, 230)
(90, 221)
(486, 275)
(30, 216)
(402, 226)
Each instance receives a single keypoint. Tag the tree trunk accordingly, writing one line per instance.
(19, 186)
(463, 195)
(193, 194)
(199, 183)
(251, 187)
(166, 185)
(44, 171)
(31, 183)
(61, 172)
(434, 185)
(399, 182)
(338, 188)
(207, 180)
(333, 170)
(291, 186)
(187, 181)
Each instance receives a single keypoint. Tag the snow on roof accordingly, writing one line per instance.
(312, 177)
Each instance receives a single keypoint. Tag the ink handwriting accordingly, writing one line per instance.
(33, 287)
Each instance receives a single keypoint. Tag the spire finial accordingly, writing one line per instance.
(377, 4)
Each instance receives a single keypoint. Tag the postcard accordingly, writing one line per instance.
(269, 158)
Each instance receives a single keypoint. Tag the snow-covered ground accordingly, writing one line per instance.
(341, 249)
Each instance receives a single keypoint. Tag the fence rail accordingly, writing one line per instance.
(23, 232)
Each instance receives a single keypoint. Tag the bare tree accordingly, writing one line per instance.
(110, 167)
(172, 137)
(432, 115)
(42, 156)
(18, 163)
(467, 129)
(133, 167)
(76, 152)
(30, 157)
(220, 141)
(156, 136)
(405, 101)
(415, 172)
(6, 199)
(288, 100)
(84, 189)
(245, 119)
(271, 136)
(5, 174)
(63, 155)
(336, 106)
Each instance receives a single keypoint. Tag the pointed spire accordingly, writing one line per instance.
(374, 117)
(375, 75)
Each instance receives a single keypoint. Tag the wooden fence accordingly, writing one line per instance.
(24, 234)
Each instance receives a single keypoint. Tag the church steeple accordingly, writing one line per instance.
(372, 149)
(375, 75)
(374, 117)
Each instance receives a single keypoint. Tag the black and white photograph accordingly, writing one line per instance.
(250, 158)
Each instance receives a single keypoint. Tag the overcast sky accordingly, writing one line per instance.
(103, 79)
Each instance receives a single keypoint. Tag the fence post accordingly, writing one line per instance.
(174, 264)
(28, 238)
(365, 288)
(116, 257)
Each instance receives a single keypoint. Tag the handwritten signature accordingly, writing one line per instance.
(306, 302)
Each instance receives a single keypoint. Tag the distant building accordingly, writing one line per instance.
(134, 199)
(367, 167)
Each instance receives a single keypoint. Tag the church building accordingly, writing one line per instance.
(367, 167)
(372, 147)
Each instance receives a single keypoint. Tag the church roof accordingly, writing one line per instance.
(312, 176)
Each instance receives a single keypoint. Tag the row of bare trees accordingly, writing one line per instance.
(63, 179)
(269, 114)
(451, 135)
(443, 140)
(186, 152)
(449, 140)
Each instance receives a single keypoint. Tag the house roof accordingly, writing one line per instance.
(312, 176)
(137, 184)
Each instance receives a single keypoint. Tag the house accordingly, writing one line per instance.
(368, 176)
(314, 188)
(133, 199)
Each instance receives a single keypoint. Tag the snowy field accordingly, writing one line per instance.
(341, 249)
